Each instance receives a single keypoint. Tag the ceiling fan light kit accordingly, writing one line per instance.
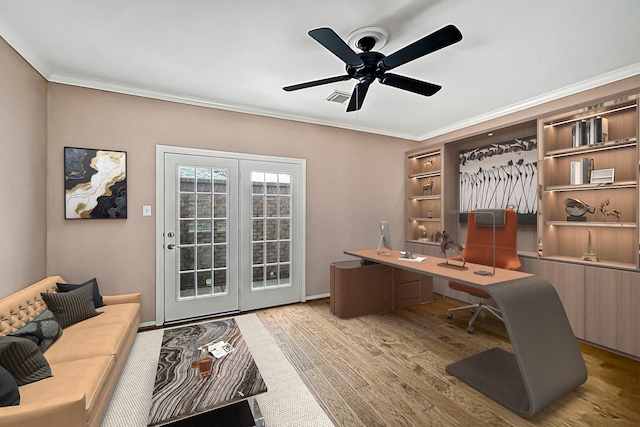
(369, 65)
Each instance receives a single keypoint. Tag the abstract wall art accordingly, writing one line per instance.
(95, 183)
(502, 175)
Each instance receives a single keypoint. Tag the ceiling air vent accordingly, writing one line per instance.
(339, 97)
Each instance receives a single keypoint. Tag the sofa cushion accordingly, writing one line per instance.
(116, 313)
(73, 306)
(97, 298)
(89, 376)
(81, 343)
(43, 330)
(9, 393)
(23, 359)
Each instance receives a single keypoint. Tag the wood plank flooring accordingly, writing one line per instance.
(389, 370)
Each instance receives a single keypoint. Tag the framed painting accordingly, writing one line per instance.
(95, 183)
(502, 175)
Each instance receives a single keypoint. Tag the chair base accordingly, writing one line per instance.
(476, 309)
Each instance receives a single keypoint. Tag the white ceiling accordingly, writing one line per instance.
(238, 54)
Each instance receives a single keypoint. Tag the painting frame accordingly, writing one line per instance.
(95, 183)
(501, 175)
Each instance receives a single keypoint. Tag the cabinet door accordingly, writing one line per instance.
(569, 282)
(612, 309)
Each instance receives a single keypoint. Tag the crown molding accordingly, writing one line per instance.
(201, 102)
(22, 48)
(603, 79)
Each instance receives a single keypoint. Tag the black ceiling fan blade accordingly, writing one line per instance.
(329, 39)
(444, 37)
(316, 83)
(412, 85)
(357, 97)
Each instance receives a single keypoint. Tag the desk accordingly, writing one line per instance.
(546, 363)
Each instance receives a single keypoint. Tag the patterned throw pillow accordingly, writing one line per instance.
(73, 306)
(9, 393)
(23, 360)
(44, 330)
(97, 298)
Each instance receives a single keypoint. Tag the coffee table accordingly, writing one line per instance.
(181, 396)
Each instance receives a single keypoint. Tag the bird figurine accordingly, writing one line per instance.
(447, 243)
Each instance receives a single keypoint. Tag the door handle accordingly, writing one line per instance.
(172, 246)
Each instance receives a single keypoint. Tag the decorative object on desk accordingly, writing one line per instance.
(602, 176)
(95, 183)
(446, 244)
(608, 212)
(590, 254)
(577, 209)
(499, 175)
(428, 188)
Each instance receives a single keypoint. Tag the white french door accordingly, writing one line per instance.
(200, 236)
(271, 233)
(232, 232)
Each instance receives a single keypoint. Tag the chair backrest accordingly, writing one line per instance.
(478, 248)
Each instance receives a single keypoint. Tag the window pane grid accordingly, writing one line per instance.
(202, 196)
(271, 218)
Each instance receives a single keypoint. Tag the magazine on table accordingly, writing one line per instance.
(218, 349)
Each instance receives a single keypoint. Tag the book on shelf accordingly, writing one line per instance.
(587, 167)
(576, 173)
(598, 130)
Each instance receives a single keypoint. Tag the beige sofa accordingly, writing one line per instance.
(85, 361)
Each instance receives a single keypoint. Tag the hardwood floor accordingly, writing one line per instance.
(389, 370)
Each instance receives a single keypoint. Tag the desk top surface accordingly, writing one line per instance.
(430, 267)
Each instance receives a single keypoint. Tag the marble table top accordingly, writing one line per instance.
(180, 391)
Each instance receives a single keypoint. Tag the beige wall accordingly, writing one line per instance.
(23, 140)
(354, 179)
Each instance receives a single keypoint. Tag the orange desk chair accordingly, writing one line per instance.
(478, 249)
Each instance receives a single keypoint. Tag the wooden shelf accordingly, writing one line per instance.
(425, 175)
(425, 219)
(600, 146)
(435, 197)
(604, 263)
(592, 224)
(582, 187)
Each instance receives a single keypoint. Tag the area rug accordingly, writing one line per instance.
(287, 403)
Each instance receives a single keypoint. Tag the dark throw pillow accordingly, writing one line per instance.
(44, 330)
(97, 298)
(73, 306)
(23, 360)
(9, 393)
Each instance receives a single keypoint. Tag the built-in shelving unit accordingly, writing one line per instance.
(424, 195)
(614, 238)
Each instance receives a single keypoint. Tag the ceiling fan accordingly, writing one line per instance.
(368, 65)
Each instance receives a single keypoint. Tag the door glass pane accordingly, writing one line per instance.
(220, 230)
(204, 283)
(220, 177)
(203, 177)
(220, 281)
(271, 229)
(284, 252)
(204, 257)
(258, 277)
(220, 256)
(284, 274)
(258, 230)
(203, 194)
(187, 176)
(187, 205)
(187, 232)
(204, 232)
(187, 285)
(187, 259)
(204, 205)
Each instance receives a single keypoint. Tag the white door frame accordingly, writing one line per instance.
(161, 150)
